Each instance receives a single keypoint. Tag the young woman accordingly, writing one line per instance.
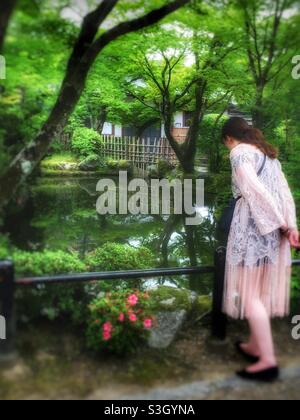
(258, 262)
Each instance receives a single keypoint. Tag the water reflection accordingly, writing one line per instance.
(61, 214)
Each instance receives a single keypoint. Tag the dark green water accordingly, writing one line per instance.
(61, 214)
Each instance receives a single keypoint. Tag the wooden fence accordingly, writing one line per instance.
(142, 152)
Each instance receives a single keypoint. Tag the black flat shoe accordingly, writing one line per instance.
(268, 375)
(249, 357)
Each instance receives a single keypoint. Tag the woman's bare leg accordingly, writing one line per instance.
(251, 347)
(261, 332)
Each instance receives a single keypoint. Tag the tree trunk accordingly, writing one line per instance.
(100, 120)
(190, 148)
(6, 9)
(178, 149)
(169, 229)
(192, 253)
(26, 161)
(257, 113)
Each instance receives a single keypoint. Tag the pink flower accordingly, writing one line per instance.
(132, 317)
(148, 323)
(133, 300)
(121, 317)
(107, 327)
(106, 335)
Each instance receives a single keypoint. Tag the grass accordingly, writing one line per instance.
(56, 159)
(55, 166)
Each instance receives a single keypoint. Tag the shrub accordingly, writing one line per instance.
(124, 165)
(112, 164)
(164, 168)
(46, 263)
(92, 163)
(119, 165)
(54, 301)
(4, 248)
(86, 142)
(114, 257)
(119, 322)
(51, 301)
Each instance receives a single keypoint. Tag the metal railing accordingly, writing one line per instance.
(8, 284)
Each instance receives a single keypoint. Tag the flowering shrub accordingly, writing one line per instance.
(119, 321)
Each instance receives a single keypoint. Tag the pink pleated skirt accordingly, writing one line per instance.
(269, 281)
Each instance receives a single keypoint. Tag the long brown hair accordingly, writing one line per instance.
(239, 129)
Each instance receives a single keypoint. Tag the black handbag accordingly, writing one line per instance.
(228, 213)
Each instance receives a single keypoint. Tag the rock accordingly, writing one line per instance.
(193, 297)
(169, 324)
(91, 163)
(168, 302)
(174, 299)
(203, 304)
(45, 357)
(18, 371)
(153, 171)
(66, 166)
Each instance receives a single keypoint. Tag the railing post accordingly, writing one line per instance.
(219, 319)
(7, 286)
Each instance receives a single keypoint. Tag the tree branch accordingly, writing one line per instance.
(89, 29)
(6, 9)
(131, 26)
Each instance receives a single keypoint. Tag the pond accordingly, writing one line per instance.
(61, 214)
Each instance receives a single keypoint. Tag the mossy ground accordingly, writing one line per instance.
(54, 364)
(179, 299)
(66, 165)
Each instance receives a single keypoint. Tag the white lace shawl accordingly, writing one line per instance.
(265, 206)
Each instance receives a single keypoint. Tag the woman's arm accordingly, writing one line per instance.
(263, 208)
(290, 207)
(292, 232)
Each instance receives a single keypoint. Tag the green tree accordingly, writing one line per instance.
(170, 85)
(87, 48)
(6, 10)
(271, 40)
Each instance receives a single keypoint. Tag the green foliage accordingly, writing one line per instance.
(4, 248)
(86, 142)
(37, 48)
(119, 165)
(164, 168)
(286, 139)
(72, 301)
(92, 163)
(52, 300)
(59, 161)
(46, 263)
(113, 257)
(119, 322)
(210, 141)
(4, 156)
